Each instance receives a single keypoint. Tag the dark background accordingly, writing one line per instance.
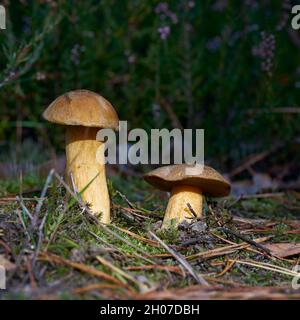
(229, 67)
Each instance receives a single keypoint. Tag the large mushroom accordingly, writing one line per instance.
(187, 189)
(83, 113)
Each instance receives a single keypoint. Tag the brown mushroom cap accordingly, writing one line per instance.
(209, 181)
(82, 108)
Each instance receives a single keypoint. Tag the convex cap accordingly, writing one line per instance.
(82, 108)
(209, 180)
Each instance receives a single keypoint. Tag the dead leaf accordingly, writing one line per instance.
(284, 250)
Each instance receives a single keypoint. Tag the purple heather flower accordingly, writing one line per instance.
(166, 16)
(164, 32)
(173, 17)
(162, 7)
(220, 5)
(265, 51)
(131, 58)
(75, 53)
(285, 16)
(191, 4)
(213, 44)
(251, 3)
(40, 76)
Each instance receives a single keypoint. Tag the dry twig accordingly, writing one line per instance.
(181, 260)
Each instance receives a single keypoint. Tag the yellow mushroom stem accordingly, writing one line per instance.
(84, 169)
(178, 210)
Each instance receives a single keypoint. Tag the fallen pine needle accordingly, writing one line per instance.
(181, 260)
(143, 239)
(270, 267)
(173, 269)
(224, 250)
(79, 266)
(138, 237)
(198, 292)
(95, 286)
(121, 273)
(231, 242)
(146, 255)
(229, 265)
(246, 239)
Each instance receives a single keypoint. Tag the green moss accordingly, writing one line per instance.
(69, 233)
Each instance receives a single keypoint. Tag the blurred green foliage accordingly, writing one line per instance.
(220, 65)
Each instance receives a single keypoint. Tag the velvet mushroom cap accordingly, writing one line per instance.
(82, 108)
(209, 181)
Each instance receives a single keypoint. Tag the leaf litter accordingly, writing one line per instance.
(56, 249)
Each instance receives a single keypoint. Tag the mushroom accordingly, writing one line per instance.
(84, 112)
(187, 189)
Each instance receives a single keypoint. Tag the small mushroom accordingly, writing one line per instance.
(83, 113)
(187, 190)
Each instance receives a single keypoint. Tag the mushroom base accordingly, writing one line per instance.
(178, 210)
(88, 175)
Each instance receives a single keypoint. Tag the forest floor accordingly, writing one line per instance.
(52, 248)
